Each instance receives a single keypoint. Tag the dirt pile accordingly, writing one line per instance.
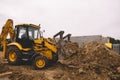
(94, 61)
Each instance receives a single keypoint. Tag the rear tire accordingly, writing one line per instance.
(40, 62)
(13, 55)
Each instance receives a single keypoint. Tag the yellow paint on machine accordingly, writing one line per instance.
(19, 46)
(51, 47)
(48, 54)
(109, 45)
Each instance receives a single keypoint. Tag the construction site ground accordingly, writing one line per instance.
(93, 61)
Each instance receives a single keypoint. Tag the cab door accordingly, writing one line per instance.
(23, 38)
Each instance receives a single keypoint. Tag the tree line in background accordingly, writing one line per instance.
(114, 41)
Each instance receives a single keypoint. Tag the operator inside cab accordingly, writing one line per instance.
(24, 35)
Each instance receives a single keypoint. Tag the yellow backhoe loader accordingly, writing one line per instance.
(27, 44)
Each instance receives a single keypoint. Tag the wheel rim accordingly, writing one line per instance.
(40, 63)
(12, 56)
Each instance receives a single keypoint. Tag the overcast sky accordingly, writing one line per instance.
(78, 17)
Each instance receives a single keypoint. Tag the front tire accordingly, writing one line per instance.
(40, 62)
(13, 55)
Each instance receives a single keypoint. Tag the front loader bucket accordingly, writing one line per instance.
(60, 43)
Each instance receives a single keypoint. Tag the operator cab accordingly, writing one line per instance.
(26, 34)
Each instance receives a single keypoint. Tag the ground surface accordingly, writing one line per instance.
(93, 61)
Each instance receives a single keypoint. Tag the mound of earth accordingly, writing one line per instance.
(94, 61)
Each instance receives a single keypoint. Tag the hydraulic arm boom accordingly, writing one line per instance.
(7, 29)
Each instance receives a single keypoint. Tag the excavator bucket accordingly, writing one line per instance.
(60, 40)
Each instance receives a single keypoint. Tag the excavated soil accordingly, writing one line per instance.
(93, 61)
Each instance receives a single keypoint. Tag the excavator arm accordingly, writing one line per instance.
(7, 29)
